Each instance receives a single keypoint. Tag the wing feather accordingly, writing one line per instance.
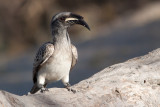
(42, 55)
(74, 56)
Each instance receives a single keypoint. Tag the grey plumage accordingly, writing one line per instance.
(54, 60)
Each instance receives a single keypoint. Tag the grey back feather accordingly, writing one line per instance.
(74, 56)
(42, 55)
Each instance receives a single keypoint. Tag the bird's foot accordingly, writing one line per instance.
(68, 87)
(44, 90)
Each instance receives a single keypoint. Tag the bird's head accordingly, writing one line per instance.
(67, 19)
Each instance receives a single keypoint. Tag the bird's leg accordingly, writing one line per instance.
(43, 89)
(65, 81)
(68, 87)
(42, 84)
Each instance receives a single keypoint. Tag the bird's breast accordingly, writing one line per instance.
(58, 65)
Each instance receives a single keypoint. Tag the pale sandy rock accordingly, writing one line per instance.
(135, 82)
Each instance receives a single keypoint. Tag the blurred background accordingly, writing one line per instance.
(120, 30)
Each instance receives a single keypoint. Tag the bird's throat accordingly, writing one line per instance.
(61, 38)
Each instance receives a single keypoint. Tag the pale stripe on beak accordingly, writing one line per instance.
(68, 19)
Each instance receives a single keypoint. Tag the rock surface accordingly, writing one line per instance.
(135, 82)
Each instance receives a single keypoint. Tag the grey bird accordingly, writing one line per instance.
(54, 60)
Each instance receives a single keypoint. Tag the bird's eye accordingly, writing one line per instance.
(62, 18)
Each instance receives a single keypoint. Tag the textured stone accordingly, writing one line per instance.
(135, 82)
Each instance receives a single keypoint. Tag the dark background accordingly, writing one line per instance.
(120, 30)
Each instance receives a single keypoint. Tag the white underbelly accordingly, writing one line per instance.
(55, 70)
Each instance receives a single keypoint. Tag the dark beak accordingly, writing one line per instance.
(83, 23)
(79, 20)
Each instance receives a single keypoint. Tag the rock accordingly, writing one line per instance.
(135, 82)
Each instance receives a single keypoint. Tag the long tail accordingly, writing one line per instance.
(34, 89)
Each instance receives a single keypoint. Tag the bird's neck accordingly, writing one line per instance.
(60, 36)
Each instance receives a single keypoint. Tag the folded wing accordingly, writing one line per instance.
(74, 56)
(43, 54)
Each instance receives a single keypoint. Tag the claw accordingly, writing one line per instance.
(44, 90)
(68, 87)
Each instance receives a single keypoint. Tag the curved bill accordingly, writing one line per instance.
(83, 23)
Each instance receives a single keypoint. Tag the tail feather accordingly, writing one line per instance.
(34, 89)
